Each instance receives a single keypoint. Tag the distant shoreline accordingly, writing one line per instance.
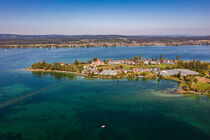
(65, 41)
(56, 47)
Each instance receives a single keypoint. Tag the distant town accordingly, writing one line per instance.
(65, 41)
(192, 76)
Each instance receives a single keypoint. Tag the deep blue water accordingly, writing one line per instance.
(70, 107)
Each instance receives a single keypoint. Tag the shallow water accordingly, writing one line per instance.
(65, 106)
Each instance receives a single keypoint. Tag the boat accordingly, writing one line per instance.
(103, 126)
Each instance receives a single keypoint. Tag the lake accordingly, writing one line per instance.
(57, 106)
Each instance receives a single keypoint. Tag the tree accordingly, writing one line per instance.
(154, 77)
(137, 79)
(161, 58)
(161, 77)
(104, 61)
(95, 59)
(100, 69)
(143, 73)
(179, 75)
(80, 68)
(89, 61)
(177, 57)
(43, 62)
(167, 68)
(195, 80)
(139, 57)
(75, 62)
(135, 58)
(90, 74)
(158, 73)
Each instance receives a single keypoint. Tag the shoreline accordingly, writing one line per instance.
(178, 89)
(42, 70)
(57, 46)
(76, 73)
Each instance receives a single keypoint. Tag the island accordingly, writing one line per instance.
(192, 76)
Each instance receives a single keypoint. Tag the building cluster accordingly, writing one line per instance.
(158, 62)
(92, 68)
(183, 72)
(119, 43)
(97, 63)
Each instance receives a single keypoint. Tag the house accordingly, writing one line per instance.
(85, 67)
(175, 61)
(125, 71)
(146, 62)
(62, 63)
(95, 71)
(88, 69)
(146, 70)
(114, 62)
(157, 62)
(97, 63)
(108, 72)
(140, 70)
(185, 61)
(135, 69)
(117, 62)
(109, 61)
(120, 61)
(171, 62)
(152, 62)
(167, 61)
(130, 62)
(155, 69)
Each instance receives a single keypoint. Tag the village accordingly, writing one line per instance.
(115, 67)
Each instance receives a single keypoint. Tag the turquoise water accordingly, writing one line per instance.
(64, 106)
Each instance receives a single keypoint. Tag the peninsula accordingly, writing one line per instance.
(192, 76)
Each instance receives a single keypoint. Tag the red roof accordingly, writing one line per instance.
(98, 62)
(135, 69)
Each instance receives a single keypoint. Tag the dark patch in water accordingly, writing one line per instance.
(11, 136)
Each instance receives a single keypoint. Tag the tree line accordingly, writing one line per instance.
(201, 67)
(73, 67)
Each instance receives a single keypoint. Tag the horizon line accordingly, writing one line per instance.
(105, 34)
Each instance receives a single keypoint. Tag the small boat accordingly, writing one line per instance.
(103, 126)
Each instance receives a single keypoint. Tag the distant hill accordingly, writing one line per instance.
(101, 37)
(13, 40)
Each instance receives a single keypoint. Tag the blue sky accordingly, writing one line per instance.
(127, 17)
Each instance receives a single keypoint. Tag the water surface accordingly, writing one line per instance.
(65, 106)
